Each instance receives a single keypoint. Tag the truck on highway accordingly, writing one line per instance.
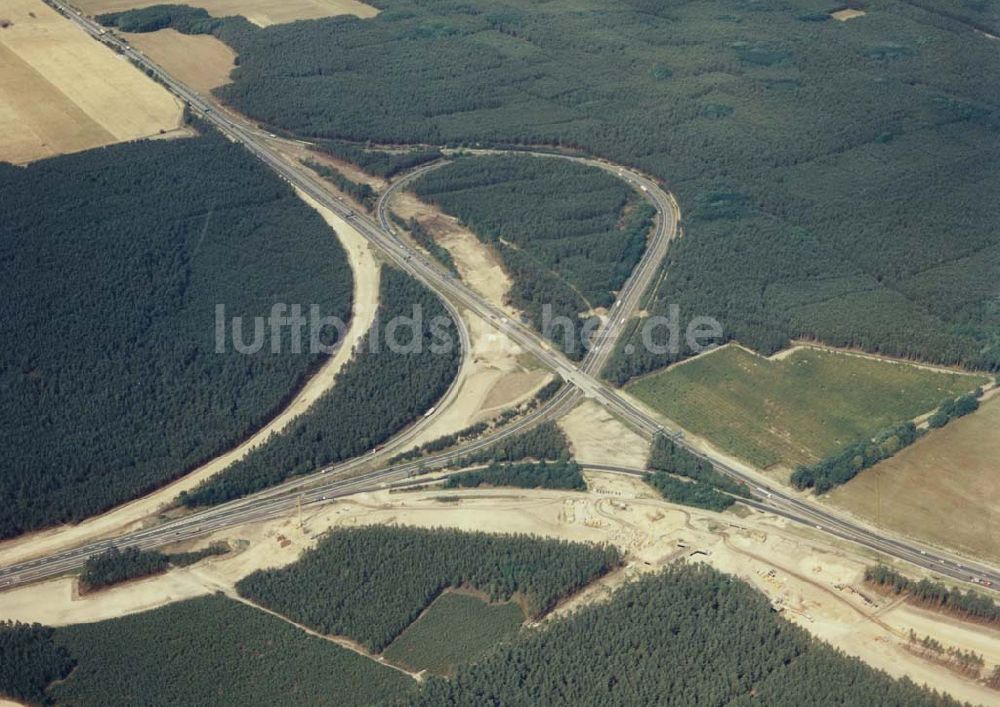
(430, 412)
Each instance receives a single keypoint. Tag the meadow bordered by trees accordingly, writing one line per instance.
(727, 645)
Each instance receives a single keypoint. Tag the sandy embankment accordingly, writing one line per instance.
(598, 437)
(496, 376)
(478, 266)
(131, 515)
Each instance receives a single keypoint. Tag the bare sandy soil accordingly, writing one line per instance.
(261, 12)
(951, 473)
(199, 60)
(58, 603)
(598, 437)
(495, 377)
(303, 154)
(477, 264)
(64, 92)
(848, 14)
(133, 515)
(811, 580)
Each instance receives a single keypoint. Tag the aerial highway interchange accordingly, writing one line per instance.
(582, 380)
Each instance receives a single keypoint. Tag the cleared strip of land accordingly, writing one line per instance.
(64, 92)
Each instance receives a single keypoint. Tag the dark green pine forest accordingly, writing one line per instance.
(112, 263)
(568, 234)
(837, 179)
(214, 651)
(686, 636)
(376, 394)
(370, 583)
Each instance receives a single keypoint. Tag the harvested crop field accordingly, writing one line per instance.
(951, 473)
(64, 92)
(794, 408)
(262, 13)
(199, 60)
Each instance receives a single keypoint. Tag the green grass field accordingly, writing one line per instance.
(795, 410)
(456, 630)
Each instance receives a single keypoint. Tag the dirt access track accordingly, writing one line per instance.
(811, 580)
(64, 92)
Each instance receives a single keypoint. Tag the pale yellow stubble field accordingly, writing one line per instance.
(65, 92)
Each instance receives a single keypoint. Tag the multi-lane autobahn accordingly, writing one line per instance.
(582, 379)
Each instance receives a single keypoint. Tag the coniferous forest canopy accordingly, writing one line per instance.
(370, 583)
(29, 660)
(683, 478)
(837, 179)
(112, 263)
(377, 393)
(560, 474)
(686, 636)
(559, 227)
(215, 651)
